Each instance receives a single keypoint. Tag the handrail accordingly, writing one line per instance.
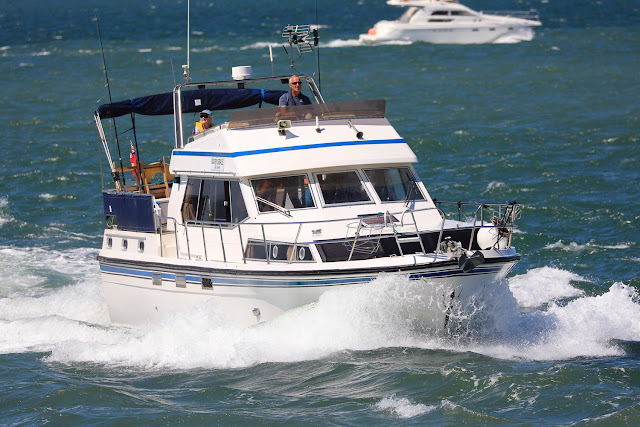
(279, 208)
(444, 218)
(175, 233)
(504, 216)
(503, 220)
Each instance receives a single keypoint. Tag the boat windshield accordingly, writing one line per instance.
(408, 14)
(288, 192)
(334, 110)
(342, 187)
(394, 184)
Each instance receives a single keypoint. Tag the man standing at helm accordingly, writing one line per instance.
(294, 96)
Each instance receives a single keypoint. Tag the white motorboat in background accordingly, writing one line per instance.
(270, 209)
(449, 22)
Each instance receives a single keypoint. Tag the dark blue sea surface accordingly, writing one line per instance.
(553, 123)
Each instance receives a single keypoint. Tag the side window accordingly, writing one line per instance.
(288, 192)
(190, 203)
(238, 208)
(342, 187)
(394, 184)
(214, 200)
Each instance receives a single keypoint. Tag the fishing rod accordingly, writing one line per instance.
(315, 42)
(116, 175)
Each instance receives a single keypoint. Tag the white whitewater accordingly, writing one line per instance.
(67, 319)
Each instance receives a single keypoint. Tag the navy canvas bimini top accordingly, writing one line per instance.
(193, 101)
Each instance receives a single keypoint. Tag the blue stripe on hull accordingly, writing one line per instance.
(283, 282)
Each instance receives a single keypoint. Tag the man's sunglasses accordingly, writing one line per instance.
(296, 83)
(204, 115)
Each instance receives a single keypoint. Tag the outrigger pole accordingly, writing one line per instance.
(115, 174)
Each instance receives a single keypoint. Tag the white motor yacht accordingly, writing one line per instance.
(449, 22)
(266, 211)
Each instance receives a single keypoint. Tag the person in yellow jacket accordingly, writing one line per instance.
(206, 121)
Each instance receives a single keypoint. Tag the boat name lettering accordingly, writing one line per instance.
(217, 164)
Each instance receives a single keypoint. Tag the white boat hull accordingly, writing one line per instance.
(450, 35)
(248, 298)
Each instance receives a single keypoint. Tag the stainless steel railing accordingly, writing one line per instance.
(202, 244)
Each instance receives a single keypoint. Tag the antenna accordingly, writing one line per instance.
(185, 68)
(298, 36)
(173, 72)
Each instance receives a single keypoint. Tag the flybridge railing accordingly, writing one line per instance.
(351, 239)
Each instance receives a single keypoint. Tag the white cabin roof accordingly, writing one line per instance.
(264, 150)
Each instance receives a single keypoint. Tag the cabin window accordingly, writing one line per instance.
(277, 251)
(288, 192)
(342, 187)
(214, 200)
(394, 184)
(460, 13)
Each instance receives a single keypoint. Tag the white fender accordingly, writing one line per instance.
(488, 236)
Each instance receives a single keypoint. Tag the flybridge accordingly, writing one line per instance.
(195, 97)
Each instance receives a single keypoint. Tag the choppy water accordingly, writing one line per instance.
(553, 123)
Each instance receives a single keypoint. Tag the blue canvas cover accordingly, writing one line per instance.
(193, 101)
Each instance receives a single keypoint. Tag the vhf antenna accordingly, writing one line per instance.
(300, 37)
(186, 67)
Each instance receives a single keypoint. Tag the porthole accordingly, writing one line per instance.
(109, 243)
(156, 278)
(141, 246)
(274, 251)
(301, 253)
(125, 244)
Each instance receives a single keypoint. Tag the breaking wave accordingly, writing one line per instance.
(51, 301)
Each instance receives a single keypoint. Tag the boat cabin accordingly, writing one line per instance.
(326, 182)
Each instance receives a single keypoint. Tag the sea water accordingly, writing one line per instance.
(553, 123)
